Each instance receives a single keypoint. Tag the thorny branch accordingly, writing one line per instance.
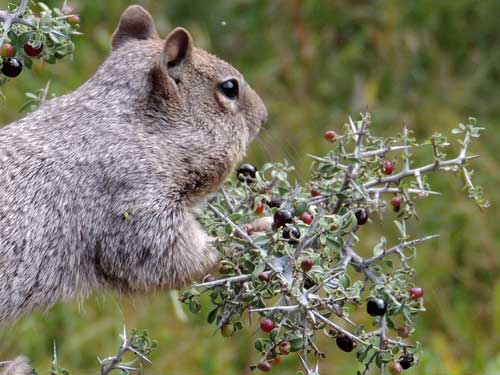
(307, 308)
(115, 362)
(10, 18)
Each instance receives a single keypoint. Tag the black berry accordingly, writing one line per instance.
(308, 283)
(246, 172)
(275, 201)
(361, 216)
(345, 343)
(406, 361)
(376, 307)
(12, 67)
(281, 218)
(291, 233)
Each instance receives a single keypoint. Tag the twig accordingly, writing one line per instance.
(394, 249)
(417, 172)
(9, 19)
(43, 98)
(337, 327)
(115, 361)
(228, 201)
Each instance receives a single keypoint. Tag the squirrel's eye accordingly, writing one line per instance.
(229, 88)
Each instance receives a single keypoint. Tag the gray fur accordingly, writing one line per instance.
(99, 188)
(19, 366)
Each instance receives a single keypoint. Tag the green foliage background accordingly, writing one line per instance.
(428, 63)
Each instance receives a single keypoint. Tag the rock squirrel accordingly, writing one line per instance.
(100, 187)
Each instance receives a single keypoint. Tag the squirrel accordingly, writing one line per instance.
(100, 188)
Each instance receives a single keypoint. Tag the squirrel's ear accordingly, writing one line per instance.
(178, 48)
(135, 23)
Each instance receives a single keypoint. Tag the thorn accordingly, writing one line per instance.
(139, 354)
(471, 157)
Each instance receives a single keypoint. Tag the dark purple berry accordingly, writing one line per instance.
(275, 201)
(376, 307)
(308, 283)
(361, 216)
(281, 218)
(12, 67)
(291, 233)
(406, 361)
(246, 172)
(345, 343)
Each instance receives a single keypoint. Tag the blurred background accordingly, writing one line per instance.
(428, 63)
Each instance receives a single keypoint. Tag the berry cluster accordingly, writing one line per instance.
(293, 253)
(34, 39)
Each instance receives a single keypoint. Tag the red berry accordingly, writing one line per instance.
(284, 347)
(264, 366)
(306, 265)
(315, 192)
(7, 50)
(416, 293)
(260, 208)
(330, 135)
(267, 325)
(404, 332)
(396, 201)
(306, 217)
(388, 167)
(276, 361)
(73, 19)
(395, 368)
(33, 51)
(265, 277)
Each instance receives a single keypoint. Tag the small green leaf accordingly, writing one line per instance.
(194, 306)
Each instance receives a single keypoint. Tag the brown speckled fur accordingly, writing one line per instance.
(99, 188)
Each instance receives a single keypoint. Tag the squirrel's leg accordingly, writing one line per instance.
(194, 254)
(149, 252)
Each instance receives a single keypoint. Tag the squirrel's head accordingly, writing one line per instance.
(201, 91)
